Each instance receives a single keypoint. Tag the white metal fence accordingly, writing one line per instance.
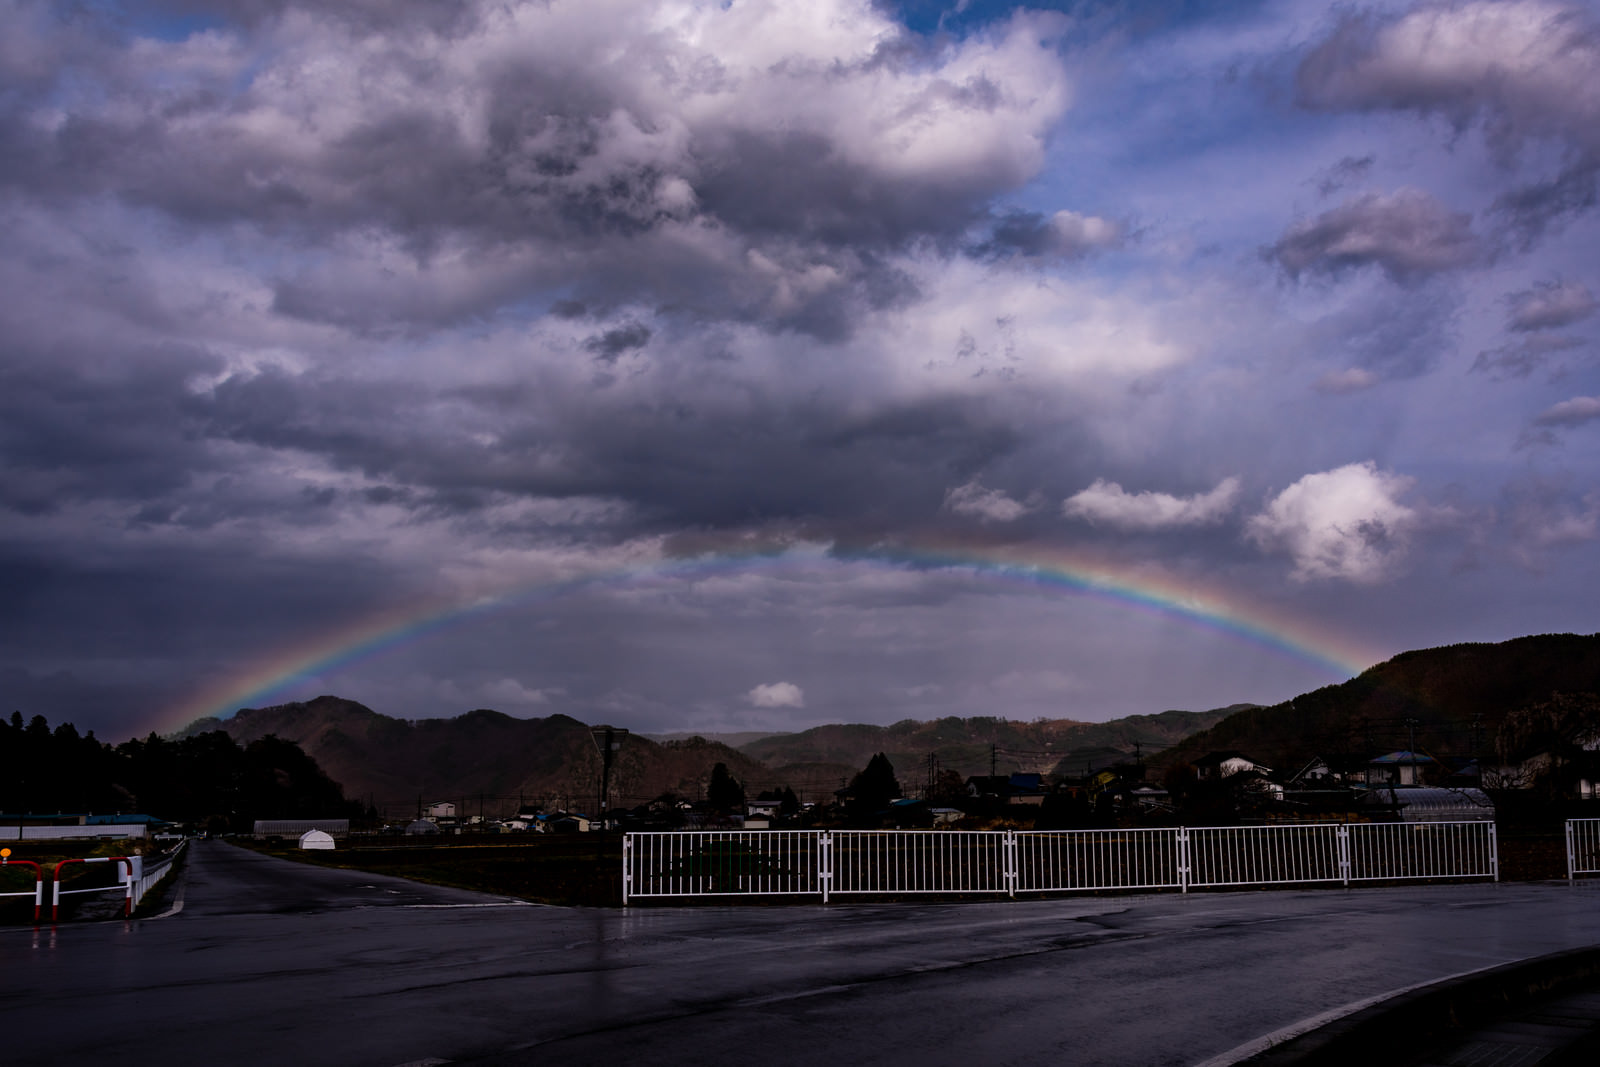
(149, 870)
(1583, 847)
(828, 863)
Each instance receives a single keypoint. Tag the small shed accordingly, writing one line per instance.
(317, 839)
(422, 826)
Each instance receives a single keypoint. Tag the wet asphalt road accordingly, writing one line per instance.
(272, 962)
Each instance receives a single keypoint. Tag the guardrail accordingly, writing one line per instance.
(138, 875)
(125, 887)
(38, 881)
(1583, 847)
(830, 863)
(149, 870)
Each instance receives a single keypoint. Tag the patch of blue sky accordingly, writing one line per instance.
(173, 22)
(161, 21)
(1092, 17)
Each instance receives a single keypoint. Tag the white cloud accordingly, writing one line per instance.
(1549, 306)
(1074, 234)
(1107, 502)
(1574, 412)
(1350, 380)
(510, 691)
(985, 505)
(777, 695)
(1529, 65)
(1346, 523)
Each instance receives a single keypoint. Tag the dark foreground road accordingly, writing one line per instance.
(271, 962)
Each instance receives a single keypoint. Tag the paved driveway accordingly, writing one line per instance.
(273, 962)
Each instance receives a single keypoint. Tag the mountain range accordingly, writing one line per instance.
(1445, 701)
(399, 764)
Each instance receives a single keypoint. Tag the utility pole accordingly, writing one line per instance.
(609, 740)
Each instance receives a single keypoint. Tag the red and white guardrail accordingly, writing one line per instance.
(126, 885)
(38, 881)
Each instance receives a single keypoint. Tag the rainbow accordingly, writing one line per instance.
(1132, 587)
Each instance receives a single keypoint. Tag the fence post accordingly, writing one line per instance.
(1494, 851)
(1008, 860)
(1572, 858)
(627, 867)
(825, 863)
(1344, 855)
(1183, 858)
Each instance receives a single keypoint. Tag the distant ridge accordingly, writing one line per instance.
(394, 762)
(1451, 700)
(1042, 746)
(554, 759)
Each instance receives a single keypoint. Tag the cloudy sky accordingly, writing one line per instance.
(689, 364)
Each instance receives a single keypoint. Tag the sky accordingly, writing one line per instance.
(751, 365)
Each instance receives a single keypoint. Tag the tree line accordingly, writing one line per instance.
(208, 780)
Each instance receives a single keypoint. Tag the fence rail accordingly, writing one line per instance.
(149, 870)
(134, 877)
(1583, 847)
(828, 863)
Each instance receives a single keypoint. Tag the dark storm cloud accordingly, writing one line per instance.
(628, 172)
(1522, 71)
(115, 434)
(1407, 234)
(608, 347)
(674, 462)
(442, 16)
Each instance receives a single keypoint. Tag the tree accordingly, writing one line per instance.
(1548, 746)
(873, 788)
(724, 794)
(789, 803)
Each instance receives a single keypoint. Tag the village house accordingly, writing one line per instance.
(1399, 768)
(1225, 764)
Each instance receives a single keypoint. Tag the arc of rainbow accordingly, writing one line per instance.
(1055, 570)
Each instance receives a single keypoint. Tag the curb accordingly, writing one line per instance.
(1416, 1020)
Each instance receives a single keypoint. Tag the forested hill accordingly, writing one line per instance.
(206, 779)
(967, 745)
(388, 761)
(1452, 700)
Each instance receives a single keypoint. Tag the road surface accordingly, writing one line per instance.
(273, 962)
